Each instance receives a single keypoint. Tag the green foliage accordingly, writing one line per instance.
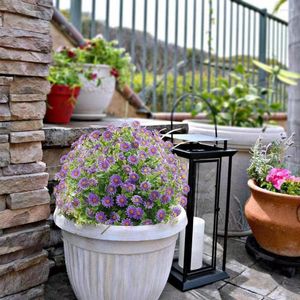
(183, 85)
(100, 51)
(64, 70)
(267, 167)
(266, 157)
(239, 104)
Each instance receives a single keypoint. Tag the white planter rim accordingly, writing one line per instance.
(268, 128)
(96, 66)
(122, 233)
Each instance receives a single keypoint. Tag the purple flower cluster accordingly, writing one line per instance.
(123, 176)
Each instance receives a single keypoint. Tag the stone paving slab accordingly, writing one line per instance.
(250, 280)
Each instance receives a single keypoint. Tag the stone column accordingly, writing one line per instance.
(25, 53)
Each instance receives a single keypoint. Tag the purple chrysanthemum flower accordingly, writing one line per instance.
(93, 199)
(126, 222)
(160, 215)
(107, 201)
(138, 213)
(121, 200)
(93, 182)
(183, 201)
(130, 211)
(94, 136)
(165, 199)
(148, 204)
(186, 189)
(169, 191)
(61, 186)
(144, 143)
(176, 211)
(114, 217)
(127, 169)
(71, 155)
(89, 213)
(97, 147)
(107, 135)
(122, 156)
(63, 158)
(115, 180)
(128, 187)
(170, 159)
(124, 146)
(153, 150)
(75, 173)
(135, 144)
(61, 174)
(145, 185)
(104, 165)
(154, 195)
(168, 145)
(145, 170)
(137, 200)
(133, 177)
(142, 155)
(92, 170)
(76, 202)
(84, 183)
(132, 159)
(100, 217)
(111, 189)
(65, 167)
(110, 159)
(147, 222)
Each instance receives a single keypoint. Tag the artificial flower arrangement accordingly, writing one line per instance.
(122, 176)
(268, 169)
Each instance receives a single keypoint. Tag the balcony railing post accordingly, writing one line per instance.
(262, 51)
(76, 13)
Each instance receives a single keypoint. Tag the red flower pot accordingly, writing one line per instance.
(61, 102)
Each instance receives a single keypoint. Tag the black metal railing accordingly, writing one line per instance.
(178, 45)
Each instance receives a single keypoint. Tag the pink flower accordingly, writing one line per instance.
(278, 176)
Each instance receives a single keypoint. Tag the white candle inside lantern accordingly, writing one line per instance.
(197, 245)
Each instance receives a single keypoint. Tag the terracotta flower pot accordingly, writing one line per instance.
(61, 102)
(275, 220)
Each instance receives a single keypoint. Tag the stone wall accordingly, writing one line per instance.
(25, 52)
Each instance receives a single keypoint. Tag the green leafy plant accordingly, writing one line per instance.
(267, 167)
(239, 104)
(100, 51)
(64, 71)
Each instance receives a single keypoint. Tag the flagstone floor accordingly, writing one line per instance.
(249, 279)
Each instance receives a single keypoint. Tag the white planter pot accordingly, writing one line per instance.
(241, 139)
(93, 101)
(128, 263)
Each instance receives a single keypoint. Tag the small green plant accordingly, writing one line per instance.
(267, 167)
(100, 51)
(64, 70)
(240, 104)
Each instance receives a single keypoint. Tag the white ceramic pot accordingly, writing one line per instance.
(128, 263)
(241, 139)
(93, 100)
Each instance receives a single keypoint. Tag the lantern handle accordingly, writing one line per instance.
(212, 109)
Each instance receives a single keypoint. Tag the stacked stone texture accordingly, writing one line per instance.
(25, 53)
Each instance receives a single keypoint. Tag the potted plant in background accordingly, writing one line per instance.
(63, 75)
(273, 209)
(103, 65)
(119, 203)
(241, 109)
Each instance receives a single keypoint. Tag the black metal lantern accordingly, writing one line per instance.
(198, 263)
